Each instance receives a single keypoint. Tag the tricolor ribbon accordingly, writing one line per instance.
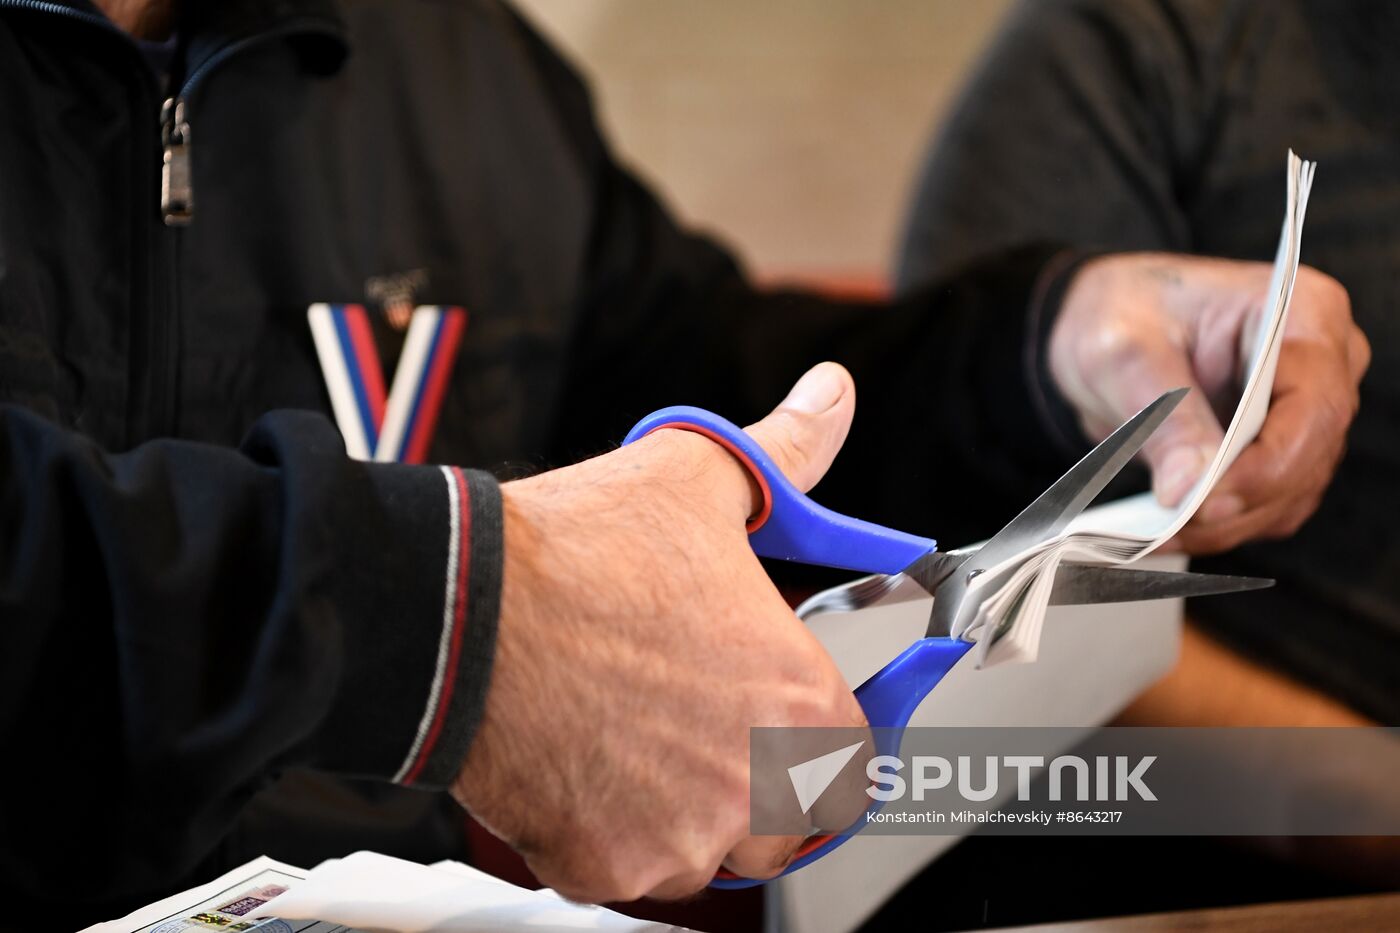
(397, 426)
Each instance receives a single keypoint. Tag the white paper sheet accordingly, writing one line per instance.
(223, 903)
(369, 891)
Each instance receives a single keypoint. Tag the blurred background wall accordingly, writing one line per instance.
(792, 128)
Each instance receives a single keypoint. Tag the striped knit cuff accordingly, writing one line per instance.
(466, 642)
(415, 590)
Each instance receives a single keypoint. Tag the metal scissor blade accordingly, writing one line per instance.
(1075, 585)
(917, 581)
(1055, 508)
(1079, 584)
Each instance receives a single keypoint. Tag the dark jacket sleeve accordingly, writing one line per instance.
(956, 421)
(181, 622)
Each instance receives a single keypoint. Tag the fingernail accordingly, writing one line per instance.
(1179, 471)
(1221, 506)
(815, 392)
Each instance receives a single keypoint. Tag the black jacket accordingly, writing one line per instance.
(184, 620)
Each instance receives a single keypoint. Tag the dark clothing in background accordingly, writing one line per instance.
(183, 621)
(1163, 125)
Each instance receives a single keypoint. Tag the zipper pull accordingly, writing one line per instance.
(176, 184)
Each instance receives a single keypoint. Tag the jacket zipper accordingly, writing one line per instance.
(155, 412)
(176, 187)
(176, 183)
(177, 204)
(176, 180)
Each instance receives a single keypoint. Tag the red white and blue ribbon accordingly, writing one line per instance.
(399, 425)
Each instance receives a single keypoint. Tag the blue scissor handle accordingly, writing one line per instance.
(889, 699)
(791, 526)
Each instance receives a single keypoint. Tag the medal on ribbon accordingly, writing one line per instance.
(396, 426)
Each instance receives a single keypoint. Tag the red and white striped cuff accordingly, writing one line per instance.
(454, 621)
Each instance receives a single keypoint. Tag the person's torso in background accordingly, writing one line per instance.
(1254, 80)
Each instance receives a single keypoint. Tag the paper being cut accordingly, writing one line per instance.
(1013, 596)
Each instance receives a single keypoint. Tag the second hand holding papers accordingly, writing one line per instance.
(1015, 594)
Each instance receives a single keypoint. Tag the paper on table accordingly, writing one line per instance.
(1015, 594)
(365, 892)
(223, 903)
(376, 892)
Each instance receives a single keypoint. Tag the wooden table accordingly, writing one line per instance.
(1375, 912)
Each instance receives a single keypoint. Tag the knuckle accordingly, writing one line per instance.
(681, 887)
(698, 863)
(1332, 294)
(817, 703)
(1273, 473)
(1337, 409)
(1114, 344)
(765, 857)
(629, 889)
(628, 884)
(1338, 455)
(732, 798)
(1359, 351)
(552, 876)
(780, 856)
(800, 704)
(694, 884)
(1304, 513)
(591, 877)
(689, 868)
(1289, 524)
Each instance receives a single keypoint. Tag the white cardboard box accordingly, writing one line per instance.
(1093, 661)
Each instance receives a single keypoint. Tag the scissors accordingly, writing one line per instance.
(790, 526)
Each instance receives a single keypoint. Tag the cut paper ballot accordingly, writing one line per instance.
(1012, 597)
(368, 891)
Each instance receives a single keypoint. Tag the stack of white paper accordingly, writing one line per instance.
(1013, 596)
(367, 891)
